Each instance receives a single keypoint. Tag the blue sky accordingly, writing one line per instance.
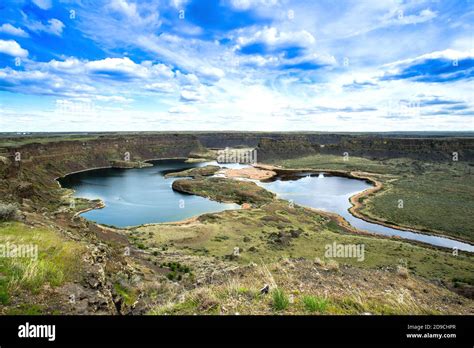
(258, 65)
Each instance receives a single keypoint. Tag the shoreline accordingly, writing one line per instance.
(356, 205)
(101, 204)
(354, 200)
(110, 167)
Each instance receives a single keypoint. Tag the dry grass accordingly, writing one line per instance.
(402, 271)
(306, 289)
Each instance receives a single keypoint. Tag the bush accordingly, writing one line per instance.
(205, 301)
(8, 212)
(318, 261)
(280, 300)
(402, 271)
(315, 304)
(332, 265)
(171, 275)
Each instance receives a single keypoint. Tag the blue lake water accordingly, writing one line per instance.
(332, 193)
(138, 196)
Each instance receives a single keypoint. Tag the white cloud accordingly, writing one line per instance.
(43, 4)
(454, 56)
(163, 87)
(12, 48)
(183, 109)
(187, 79)
(10, 29)
(179, 4)
(145, 16)
(123, 7)
(122, 66)
(54, 26)
(211, 73)
(449, 54)
(113, 98)
(424, 16)
(396, 16)
(247, 4)
(39, 83)
(272, 37)
(191, 95)
(118, 80)
(276, 45)
(209, 81)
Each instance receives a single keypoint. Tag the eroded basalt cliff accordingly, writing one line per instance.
(426, 149)
(108, 264)
(29, 170)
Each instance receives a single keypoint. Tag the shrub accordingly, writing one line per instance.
(402, 271)
(318, 261)
(128, 295)
(280, 300)
(8, 212)
(315, 304)
(205, 301)
(3, 292)
(332, 265)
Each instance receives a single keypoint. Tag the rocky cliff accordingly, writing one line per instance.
(40, 162)
(31, 168)
(426, 149)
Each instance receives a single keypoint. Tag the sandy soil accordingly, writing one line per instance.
(248, 173)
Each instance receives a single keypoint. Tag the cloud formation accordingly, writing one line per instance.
(239, 64)
(12, 48)
(10, 29)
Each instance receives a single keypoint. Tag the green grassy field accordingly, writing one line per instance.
(266, 234)
(436, 196)
(296, 265)
(56, 262)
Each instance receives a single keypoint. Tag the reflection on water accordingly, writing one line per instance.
(332, 193)
(139, 196)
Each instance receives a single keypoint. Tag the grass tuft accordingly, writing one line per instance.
(280, 300)
(315, 304)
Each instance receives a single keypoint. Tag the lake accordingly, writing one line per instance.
(143, 195)
(332, 193)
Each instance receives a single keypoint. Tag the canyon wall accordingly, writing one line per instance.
(28, 171)
(43, 159)
(273, 146)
